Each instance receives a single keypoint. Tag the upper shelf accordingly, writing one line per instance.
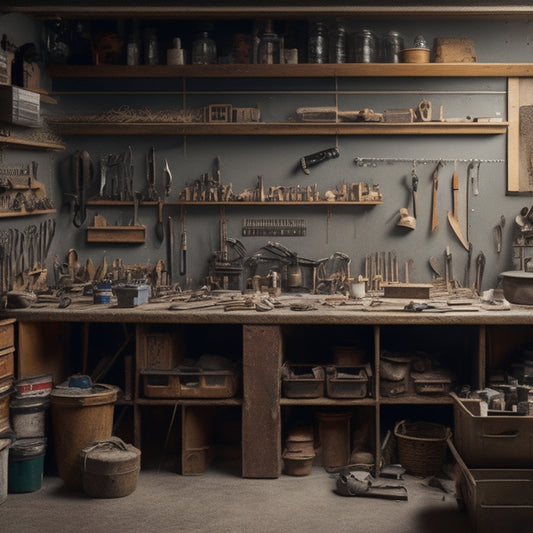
(194, 11)
(283, 128)
(302, 70)
(29, 144)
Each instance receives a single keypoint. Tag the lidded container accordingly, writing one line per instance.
(110, 468)
(338, 45)
(204, 50)
(392, 47)
(269, 48)
(318, 48)
(26, 463)
(364, 47)
(80, 415)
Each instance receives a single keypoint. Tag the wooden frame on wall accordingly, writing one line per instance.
(520, 136)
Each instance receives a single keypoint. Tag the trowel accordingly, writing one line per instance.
(453, 217)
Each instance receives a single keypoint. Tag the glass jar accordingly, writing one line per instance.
(339, 45)
(269, 49)
(364, 47)
(204, 50)
(392, 46)
(318, 48)
(151, 47)
(133, 50)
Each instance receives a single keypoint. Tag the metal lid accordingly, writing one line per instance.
(28, 447)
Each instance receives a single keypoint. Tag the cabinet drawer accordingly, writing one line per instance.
(7, 334)
(7, 362)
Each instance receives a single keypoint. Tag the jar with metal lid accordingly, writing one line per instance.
(318, 49)
(204, 50)
(338, 52)
(269, 49)
(364, 47)
(392, 46)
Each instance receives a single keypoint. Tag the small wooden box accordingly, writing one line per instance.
(7, 333)
(7, 363)
(407, 290)
(455, 50)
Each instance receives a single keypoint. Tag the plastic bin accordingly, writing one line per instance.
(79, 417)
(493, 441)
(496, 499)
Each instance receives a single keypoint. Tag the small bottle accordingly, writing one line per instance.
(339, 45)
(151, 47)
(318, 48)
(269, 50)
(204, 50)
(133, 50)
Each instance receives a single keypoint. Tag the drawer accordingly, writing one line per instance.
(7, 363)
(7, 334)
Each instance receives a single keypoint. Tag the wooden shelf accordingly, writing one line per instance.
(195, 12)
(327, 401)
(302, 70)
(14, 142)
(189, 401)
(417, 400)
(117, 203)
(282, 128)
(27, 213)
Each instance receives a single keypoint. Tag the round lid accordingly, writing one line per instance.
(28, 447)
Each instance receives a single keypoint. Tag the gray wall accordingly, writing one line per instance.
(353, 230)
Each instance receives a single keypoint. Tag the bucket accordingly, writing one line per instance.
(334, 435)
(28, 417)
(79, 417)
(110, 468)
(4, 454)
(26, 462)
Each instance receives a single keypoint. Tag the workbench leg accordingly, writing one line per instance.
(261, 419)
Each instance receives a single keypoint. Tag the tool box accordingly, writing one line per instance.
(190, 384)
(493, 441)
(302, 381)
(496, 499)
(345, 381)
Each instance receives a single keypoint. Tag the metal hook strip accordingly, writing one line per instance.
(374, 161)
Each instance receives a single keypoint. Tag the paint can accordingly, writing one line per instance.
(28, 416)
(26, 462)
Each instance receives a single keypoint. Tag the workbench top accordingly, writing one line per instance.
(319, 310)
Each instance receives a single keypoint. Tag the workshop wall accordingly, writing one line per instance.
(353, 230)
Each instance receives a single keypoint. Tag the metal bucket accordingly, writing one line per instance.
(79, 417)
(26, 462)
(28, 416)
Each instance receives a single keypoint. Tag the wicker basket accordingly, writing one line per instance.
(421, 446)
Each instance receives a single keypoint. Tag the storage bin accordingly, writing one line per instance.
(493, 441)
(79, 417)
(421, 446)
(496, 499)
(302, 381)
(31, 386)
(28, 416)
(110, 468)
(432, 383)
(26, 462)
(344, 381)
(131, 295)
(181, 384)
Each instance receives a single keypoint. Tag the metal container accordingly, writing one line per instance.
(26, 462)
(518, 287)
(28, 416)
(110, 468)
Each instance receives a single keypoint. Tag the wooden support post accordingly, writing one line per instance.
(261, 419)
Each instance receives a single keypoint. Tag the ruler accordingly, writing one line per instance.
(279, 227)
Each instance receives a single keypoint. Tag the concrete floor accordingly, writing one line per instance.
(221, 501)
